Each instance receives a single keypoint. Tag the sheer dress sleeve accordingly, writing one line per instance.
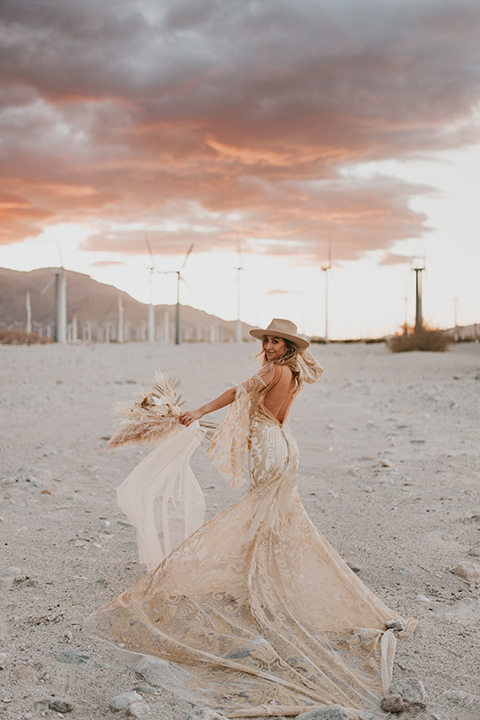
(228, 447)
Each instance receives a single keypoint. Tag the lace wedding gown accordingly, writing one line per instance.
(255, 612)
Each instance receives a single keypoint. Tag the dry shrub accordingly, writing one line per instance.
(19, 337)
(427, 340)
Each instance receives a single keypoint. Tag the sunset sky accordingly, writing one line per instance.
(276, 127)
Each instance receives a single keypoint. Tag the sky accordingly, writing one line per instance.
(278, 136)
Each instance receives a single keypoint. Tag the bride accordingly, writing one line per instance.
(255, 612)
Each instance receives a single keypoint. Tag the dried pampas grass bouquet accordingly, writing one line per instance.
(151, 416)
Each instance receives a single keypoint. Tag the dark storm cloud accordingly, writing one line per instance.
(224, 120)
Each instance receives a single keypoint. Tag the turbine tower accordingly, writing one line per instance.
(120, 320)
(60, 318)
(28, 324)
(178, 273)
(238, 327)
(325, 269)
(418, 298)
(151, 309)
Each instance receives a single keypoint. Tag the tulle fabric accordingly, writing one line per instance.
(256, 613)
(162, 498)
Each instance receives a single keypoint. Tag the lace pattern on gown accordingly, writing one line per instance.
(229, 444)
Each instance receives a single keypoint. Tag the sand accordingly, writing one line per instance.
(389, 473)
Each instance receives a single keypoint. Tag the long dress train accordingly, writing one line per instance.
(256, 612)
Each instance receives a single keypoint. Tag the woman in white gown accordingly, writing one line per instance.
(255, 611)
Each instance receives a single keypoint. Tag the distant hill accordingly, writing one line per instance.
(93, 308)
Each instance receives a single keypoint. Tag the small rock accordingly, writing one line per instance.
(203, 713)
(368, 489)
(460, 697)
(146, 688)
(70, 656)
(331, 712)
(138, 710)
(104, 523)
(385, 464)
(394, 704)
(60, 706)
(423, 599)
(475, 552)
(410, 689)
(367, 715)
(3, 661)
(69, 636)
(123, 701)
(153, 670)
(418, 442)
(124, 523)
(468, 571)
(41, 706)
(397, 625)
(354, 567)
(9, 575)
(10, 572)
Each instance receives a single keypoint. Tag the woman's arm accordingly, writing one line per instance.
(221, 401)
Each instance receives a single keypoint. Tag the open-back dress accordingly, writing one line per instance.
(255, 612)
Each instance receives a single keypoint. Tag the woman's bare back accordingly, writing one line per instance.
(280, 394)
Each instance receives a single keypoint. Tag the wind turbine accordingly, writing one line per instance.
(28, 324)
(238, 327)
(418, 297)
(151, 309)
(325, 269)
(60, 280)
(178, 273)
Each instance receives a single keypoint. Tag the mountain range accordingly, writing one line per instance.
(94, 309)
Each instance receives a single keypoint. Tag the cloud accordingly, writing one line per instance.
(220, 120)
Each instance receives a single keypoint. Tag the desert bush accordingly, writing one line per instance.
(427, 340)
(19, 337)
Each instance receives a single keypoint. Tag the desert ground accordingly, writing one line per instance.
(389, 448)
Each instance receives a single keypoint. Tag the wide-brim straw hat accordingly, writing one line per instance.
(279, 327)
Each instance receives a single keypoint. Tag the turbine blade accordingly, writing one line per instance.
(48, 286)
(186, 256)
(59, 252)
(149, 249)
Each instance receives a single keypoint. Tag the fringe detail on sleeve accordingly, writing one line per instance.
(229, 445)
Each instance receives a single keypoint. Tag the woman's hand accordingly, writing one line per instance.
(187, 418)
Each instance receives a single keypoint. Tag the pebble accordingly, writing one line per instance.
(394, 703)
(125, 523)
(460, 697)
(354, 567)
(3, 661)
(367, 715)
(385, 464)
(468, 571)
(9, 575)
(60, 706)
(123, 701)
(397, 625)
(475, 552)
(138, 710)
(410, 689)
(153, 670)
(70, 656)
(203, 713)
(423, 599)
(331, 712)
